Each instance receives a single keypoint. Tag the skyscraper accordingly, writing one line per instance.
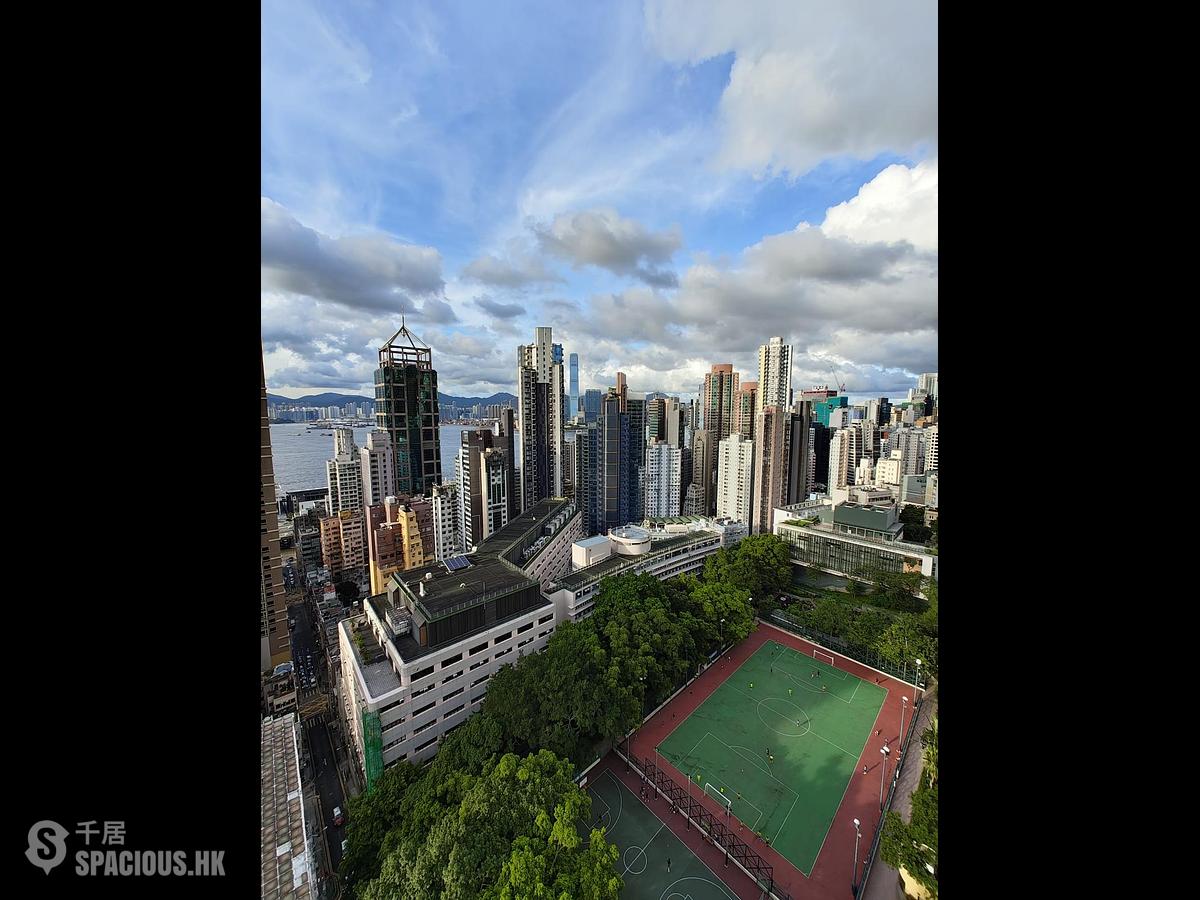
(774, 375)
(720, 388)
(378, 468)
(343, 473)
(735, 477)
(506, 430)
(773, 427)
(447, 539)
(931, 447)
(406, 407)
(635, 408)
(573, 406)
(656, 419)
(540, 416)
(485, 472)
(928, 382)
(275, 645)
(607, 473)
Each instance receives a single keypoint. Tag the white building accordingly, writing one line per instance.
(735, 477)
(378, 468)
(911, 441)
(931, 447)
(632, 550)
(343, 473)
(664, 471)
(416, 662)
(927, 383)
(845, 450)
(447, 539)
(774, 376)
(889, 470)
(864, 472)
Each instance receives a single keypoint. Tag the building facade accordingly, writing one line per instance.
(774, 375)
(773, 427)
(378, 464)
(406, 407)
(540, 418)
(664, 468)
(735, 477)
(447, 539)
(274, 641)
(343, 473)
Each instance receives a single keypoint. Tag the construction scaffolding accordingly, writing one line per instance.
(373, 744)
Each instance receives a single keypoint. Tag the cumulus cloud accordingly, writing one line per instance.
(370, 271)
(602, 238)
(810, 79)
(898, 204)
(510, 273)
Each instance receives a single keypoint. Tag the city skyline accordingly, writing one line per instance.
(642, 181)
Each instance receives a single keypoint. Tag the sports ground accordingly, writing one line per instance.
(774, 738)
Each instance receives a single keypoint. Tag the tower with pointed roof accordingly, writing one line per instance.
(406, 407)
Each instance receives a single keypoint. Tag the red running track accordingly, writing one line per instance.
(831, 875)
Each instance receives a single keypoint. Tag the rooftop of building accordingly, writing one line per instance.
(285, 862)
(598, 540)
(446, 591)
(614, 565)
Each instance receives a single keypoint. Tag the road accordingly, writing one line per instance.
(321, 744)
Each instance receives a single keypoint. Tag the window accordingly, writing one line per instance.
(524, 628)
(502, 652)
(478, 649)
(524, 642)
(502, 638)
(480, 680)
(452, 694)
(451, 661)
(417, 676)
(425, 708)
(544, 619)
(428, 743)
(475, 666)
(456, 709)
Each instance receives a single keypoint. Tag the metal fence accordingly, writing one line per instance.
(900, 761)
(713, 827)
(915, 676)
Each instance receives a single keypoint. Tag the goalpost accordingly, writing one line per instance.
(823, 656)
(715, 792)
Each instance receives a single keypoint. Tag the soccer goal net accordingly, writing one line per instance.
(823, 656)
(715, 792)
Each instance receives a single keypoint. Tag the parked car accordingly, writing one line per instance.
(338, 818)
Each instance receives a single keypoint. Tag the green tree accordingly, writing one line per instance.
(762, 566)
(915, 529)
(929, 752)
(514, 833)
(371, 816)
(831, 616)
(866, 627)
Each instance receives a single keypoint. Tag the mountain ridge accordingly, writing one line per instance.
(332, 399)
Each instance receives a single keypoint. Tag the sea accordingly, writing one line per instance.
(299, 455)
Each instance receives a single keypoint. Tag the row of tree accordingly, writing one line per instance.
(901, 638)
(913, 845)
(497, 813)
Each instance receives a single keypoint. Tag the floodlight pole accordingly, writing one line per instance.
(883, 773)
(854, 871)
(903, 710)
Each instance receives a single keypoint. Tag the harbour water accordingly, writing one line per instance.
(299, 455)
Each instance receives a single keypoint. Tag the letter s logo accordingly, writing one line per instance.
(47, 845)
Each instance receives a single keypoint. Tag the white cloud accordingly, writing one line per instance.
(601, 237)
(810, 79)
(898, 204)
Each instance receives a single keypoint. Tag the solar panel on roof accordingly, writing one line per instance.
(455, 563)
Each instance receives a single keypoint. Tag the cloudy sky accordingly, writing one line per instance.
(667, 184)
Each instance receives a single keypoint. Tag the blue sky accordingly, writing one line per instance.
(668, 185)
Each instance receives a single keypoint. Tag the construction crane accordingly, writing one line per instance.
(841, 384)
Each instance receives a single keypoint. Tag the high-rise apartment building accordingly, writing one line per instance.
(801, 460)
(343, 473)
(506, 430)
(635, 408)
(344, 546)
(608, 473)
(774, 375)
(845, 450)
(745, 408)
(700, 495)
(912, 442)
(823, 406)
(591, 406)
(378, 468)
(720, 389)
(663, 473)
(890, 470)
(773, 427)
(931, 445)
(274, 642)
(447, 539)
(656, 420)
(864, 472)
(540, 416)
(927, 383)
(674, 421)
(485, 473)
(406, 407)
(735, 477)
(573, 404)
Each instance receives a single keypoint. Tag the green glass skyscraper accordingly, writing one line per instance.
(406, 407)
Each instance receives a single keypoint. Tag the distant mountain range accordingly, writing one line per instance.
(343, 399)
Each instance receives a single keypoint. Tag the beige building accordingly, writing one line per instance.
(735, 477)
(275, 644)
(745, 409)
(771, 466)
(343, 541)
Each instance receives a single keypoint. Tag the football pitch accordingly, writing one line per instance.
(777, 744)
